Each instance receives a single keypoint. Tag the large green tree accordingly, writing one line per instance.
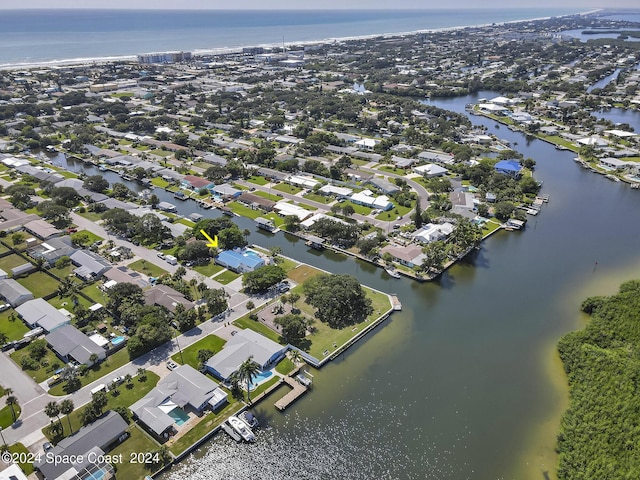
(339, 300)
(262, 278)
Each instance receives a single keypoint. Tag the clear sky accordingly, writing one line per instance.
(580, 5)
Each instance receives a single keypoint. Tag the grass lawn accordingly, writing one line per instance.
(43, 372)
(64, 271)
(247, 212)
(268, 196)
(557, 140)
(39, 283)
(489, 227)
(391, 215)
(245, 322)
(186, 222)
(113, 362)
(126, 398)
(208, 422)
(148, 268)
(6, 417)
(258, 180)
(138, 442)
(286, 264)
(286, 188)
(327, 339)
(302, 273)
(209, 269)
(3, 248)
(190, 354)
(361, 209)
(67, 302)
(389, 168)
(94, 293)
(161, 153)
(92, 236)
(159, 182)
(226, 277)
(27, 468)
(13, 329)
(262, 387)
(11, 261)
(303, 205)
(94, 217)
(285, 366)
(319, 198)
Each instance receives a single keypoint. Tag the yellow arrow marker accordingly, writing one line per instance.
(213, 242)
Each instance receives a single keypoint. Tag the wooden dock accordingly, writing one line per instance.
(297, 391)
(397, 306)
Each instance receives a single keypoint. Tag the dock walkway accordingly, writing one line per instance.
(293, 395)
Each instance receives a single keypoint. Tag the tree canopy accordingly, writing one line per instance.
(339, 300)
(600, 430)
(262, 278)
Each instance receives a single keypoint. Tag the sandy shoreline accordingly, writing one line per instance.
(238, 48)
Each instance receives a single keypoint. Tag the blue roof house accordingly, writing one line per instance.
(509, 167)
(240, 261)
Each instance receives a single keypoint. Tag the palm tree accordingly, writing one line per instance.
(11, 401)
(3, 338)
(248, 370)
(66, 407)
(52, 409)
(296, 357)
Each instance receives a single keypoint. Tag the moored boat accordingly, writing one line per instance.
(392, 272)
(241, 429)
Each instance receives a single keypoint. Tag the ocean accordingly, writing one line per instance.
(29, 37)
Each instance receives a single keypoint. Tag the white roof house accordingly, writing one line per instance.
(301, 181)
(367, 199)
(432, 232)
(285, 209)
(366, 144)
(335, 190)
(430, 170)
(246, 343)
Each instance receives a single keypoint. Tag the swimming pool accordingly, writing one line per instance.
(251, 253)
(179, 415)
(118, 340)
(261, 377)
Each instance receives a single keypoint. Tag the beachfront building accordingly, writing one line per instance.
(167, 406)
(244, 344)
(410, 256)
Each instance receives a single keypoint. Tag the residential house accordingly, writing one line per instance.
(14, 293)
(39, 313)
(367, 199)
(42, 229)
(335, 190)
(256, 202)
(82, 455)
(240, 261)
(226, 191)
(410, 256)
(385, 186)
(430, 170)
(90, 265)
(244, 344)
(432, 232)
(184, 387)
(509, 167)
(285, 209)
(124, 274)
(196, 183)
(167, 297)
(366, 144)
(71, 344)
(53, 249)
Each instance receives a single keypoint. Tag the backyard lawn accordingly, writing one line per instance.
(138, 442)
(11, 261)
(245, 211)
(13, 329)
(285, 366)
(39, 283)
(245, 322)
(67, 302)
(190, 354)
(208, 422)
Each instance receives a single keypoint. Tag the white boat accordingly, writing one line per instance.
(242, 429)
(250, 419)
(612, 177)
(392, 272)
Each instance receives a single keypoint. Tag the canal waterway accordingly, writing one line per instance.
(458, 385)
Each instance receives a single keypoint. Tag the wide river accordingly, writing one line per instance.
(464, 382)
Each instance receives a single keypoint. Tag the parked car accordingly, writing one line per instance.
(172, 365)
(4, 306)
(117, 380)
(47, 446)
(161, 255)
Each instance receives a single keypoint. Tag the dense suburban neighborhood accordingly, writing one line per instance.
(128, 326)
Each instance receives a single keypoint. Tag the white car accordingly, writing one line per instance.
(4, 306)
